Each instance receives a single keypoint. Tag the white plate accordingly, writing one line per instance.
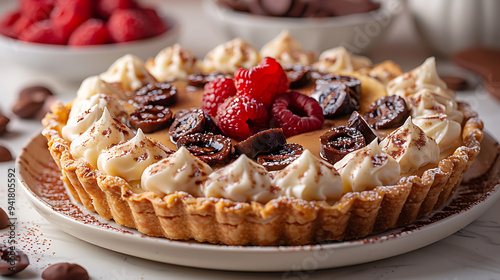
(35, 168)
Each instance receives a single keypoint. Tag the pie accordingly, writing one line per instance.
(385, 149)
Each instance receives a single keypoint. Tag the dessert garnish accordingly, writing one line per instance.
(336, 99)
(160, 93)
(4, 219)
(298, 75)
(63, 271)
(173, 63)
(387, 112)
(201, 79)
(151, 118)
(359, 123)
(188, 122)
(30, 101)
(279, 159)
(215, 92)
(8, 255)
(5, 154)
(262, 142)
(211, 148)
(340, 141)
(4, 121)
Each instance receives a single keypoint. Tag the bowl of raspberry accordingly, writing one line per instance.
(318, 24)
(73, 39)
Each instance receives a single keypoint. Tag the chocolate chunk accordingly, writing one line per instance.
(161, 93)
(358, 122)
(211, 148)
(281, 158)
(387, 112)
(12, 260)
(483, 61)
(187, 122)
(263, 142)
(65, 271)
(298, 75)
(30, 101)
(199, 80)
(5, 154)
(454, 82)
(336, 99)
(3, 123)
(339, 141)
(151, 118)
(4, 219)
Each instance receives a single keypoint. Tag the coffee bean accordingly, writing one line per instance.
(12, 260)
(454, 82)
(63, 271)
(3, 123)
(30, 101)
(5, 154)
(4, 219)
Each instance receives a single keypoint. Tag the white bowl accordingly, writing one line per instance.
(75, 64)
(356, 32)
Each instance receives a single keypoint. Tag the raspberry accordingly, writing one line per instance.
(67, 15)
(7, 23)
(263, 82)
(128, 25)
(241, 116)
(215, 93)
(296, 113)
(92, 32)
(41, 32)
(106, 7)
(156, 22)
(36, 10)
(20, 26)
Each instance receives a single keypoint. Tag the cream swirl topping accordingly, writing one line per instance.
(129, 71)
(94, 85)
(423, 77)
(105, 133)
(230, 56)
(243, 180)
(181, 171)
(173, 63)
(340, 60)
(129, 159)
(410, 147)
(286, 50)
(366, 168)
(309, 178)
(425, 103)
(101, 100)
(441, 128)
(76, 126)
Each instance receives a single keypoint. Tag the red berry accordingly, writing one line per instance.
(296, 113)
(7, 23)
(106, 7)
(239, 117)
(41, 32)
(67, 15)
(215, 93)
(36, 10)
(128, 25)
(263, 82)
(156, 22)
(20, 26)
(92, 32)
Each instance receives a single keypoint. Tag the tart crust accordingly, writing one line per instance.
(281, 221)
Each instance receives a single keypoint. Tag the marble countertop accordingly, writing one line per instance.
(471, 253)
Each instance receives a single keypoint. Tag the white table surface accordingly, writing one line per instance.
(471, 253)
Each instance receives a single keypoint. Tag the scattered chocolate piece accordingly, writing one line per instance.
(298, 75)
(12, 260)
(483, 61)
(455, 82)
(358, 122)
(210, 125)
(387, 112)
(187, 122)
(281, 158)
(3, 123)
(4, 219)
(65, 271)
(151, 118)
(161, 93)
(339, 141)
(336, 99)
(5, 154)
(211, 148)
(199, 80)
(30, 101)
(262, 142)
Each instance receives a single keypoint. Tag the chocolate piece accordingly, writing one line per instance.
(339, 141)
(199, 80)
(387, 112)
(210, 125)
(263, 142)
(483, 61)
(358, 122)
(211, 148)
(187, 122)
(30, 101)
(336, 99)
(5, 154)
(4, 219)
(298, 75)
(151, 118)
(161, 93)
(353, 83)
(455, 82)
(64, 271)
(12, 260)
(3, 123)
(281, 158)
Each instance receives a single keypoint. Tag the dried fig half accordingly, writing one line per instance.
(261, 142)
(160, 93)
(387, 112)
(188, 122)
(298, 75)
(211, 148)
(281, 158)
(151, 118)
(199, 80)
(336, 99)
(358, 122)
(339, 141)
